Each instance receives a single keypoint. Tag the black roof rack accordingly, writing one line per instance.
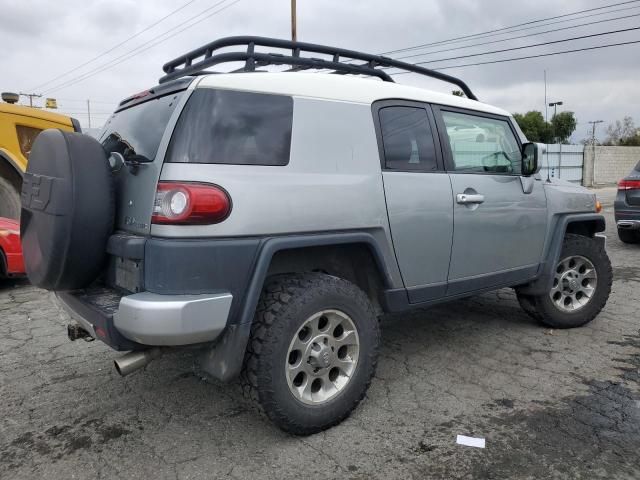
(196, 61)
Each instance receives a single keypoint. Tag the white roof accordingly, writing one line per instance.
(345, 88)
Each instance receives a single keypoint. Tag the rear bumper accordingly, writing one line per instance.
(628, 224)
(15, 264)
(145, 319)
(153, 319)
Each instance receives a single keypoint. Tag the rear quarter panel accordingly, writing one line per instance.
(332, 183)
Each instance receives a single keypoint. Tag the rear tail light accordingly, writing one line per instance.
(190, 204)
(629, 185)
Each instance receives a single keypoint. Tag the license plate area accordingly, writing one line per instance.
(127, 274)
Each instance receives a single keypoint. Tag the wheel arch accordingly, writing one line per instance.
(585, 224)
(4, 267)
(224, 360)
(10, 168)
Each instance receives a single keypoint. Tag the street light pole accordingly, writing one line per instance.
(555, 133)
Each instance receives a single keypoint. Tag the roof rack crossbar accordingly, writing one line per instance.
(197, 60)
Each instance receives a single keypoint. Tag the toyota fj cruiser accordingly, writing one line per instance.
(267, 219)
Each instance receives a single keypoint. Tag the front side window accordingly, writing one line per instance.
(407, 139)
(234, 128)
(482, 144)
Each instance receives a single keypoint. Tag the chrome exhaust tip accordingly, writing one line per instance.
(132, 361)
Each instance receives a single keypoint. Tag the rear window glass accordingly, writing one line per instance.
(137, 131)
(235, 128)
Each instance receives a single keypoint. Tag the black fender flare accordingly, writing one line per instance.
(224, 360)
(544, 280)
(11, 162)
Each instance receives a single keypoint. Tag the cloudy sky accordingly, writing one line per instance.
(42, 40)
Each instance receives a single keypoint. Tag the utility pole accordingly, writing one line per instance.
(31, 97)
(89, 112)
(593, 146)
(294, 36)
(546, 119)
(555, 134)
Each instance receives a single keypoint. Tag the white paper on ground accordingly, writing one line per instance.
(470, 441)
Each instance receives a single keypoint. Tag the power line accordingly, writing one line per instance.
(136, 51)
(518, 37)
(530, 56)
(552, 42)
(137, 34)
(508, 28)
(115, 102)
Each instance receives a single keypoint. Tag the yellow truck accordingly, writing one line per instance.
(19, 126)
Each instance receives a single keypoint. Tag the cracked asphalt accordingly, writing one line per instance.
(550, 403)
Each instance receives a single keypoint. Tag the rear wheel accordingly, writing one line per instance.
(312, 353)
(629, 236)
(9, 199)
(581, 286)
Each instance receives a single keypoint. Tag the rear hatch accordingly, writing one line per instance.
(140, 130)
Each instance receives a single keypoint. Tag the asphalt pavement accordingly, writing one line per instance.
(549, 403)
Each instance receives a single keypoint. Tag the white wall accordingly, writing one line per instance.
(610, 164)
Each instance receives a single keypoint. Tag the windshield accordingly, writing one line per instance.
(136, 132)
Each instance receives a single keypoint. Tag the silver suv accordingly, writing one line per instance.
(266, 220)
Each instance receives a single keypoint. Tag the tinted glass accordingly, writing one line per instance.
(482, 144)
(238, 128)
(139, 129)
(407, 139)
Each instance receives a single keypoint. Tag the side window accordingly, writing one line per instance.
(234, 128)
(481, 144)
(407, 139)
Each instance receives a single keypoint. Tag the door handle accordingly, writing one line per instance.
(468, 198)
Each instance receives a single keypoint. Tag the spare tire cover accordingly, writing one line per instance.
(68, 209)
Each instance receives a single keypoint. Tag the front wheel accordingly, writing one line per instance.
(581, 286)
(312, 353)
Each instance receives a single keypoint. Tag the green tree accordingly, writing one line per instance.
(534, 126)
(563, 125)
(458, 93)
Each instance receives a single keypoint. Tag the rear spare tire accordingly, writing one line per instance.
(68, 209)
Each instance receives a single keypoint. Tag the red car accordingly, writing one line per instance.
(11, 263)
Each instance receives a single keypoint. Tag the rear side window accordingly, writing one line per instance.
(137, 131)
(407, 139)
(234, 128)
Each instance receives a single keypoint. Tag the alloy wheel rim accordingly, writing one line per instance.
(574, 283)
(322, 357)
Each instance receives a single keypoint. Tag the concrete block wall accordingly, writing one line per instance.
(609, 165)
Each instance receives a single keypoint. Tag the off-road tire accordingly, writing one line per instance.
(286, 302)
(629, 236)
(544, 310)
(9, 199)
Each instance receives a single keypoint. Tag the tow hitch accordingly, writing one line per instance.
(75, 331)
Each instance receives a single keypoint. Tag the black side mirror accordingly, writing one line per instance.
(529, 159)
